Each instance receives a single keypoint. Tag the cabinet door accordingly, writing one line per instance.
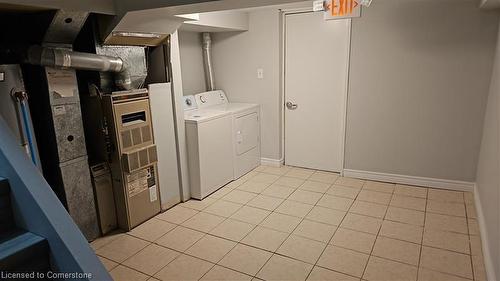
(247, 132)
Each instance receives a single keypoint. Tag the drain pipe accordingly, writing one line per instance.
(54, 57)
(207, 61)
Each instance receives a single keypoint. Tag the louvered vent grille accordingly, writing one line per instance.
(146, 134)
(136, 137)
(138, 159)
(126, 139)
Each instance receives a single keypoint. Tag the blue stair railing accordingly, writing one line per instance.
(37, 210)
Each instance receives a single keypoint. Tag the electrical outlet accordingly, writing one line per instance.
(366, 3)
(318, 5)
(260, 73)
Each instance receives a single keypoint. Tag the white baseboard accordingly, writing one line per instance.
(271, 162)
(410, 180)
(488, 262)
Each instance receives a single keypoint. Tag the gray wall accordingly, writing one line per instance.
(236, 57)
(419, 80)
(193, 77)
(488, 172)
(418, 84)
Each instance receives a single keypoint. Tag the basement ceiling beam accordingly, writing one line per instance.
(176, 7)
(94, 6)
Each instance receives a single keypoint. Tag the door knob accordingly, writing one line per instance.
(291, 106)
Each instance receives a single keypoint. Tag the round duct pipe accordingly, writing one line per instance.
(53, 57)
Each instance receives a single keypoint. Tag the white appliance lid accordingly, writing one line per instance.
(236, 107)
(203, 115)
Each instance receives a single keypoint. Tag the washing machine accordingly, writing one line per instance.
(209, 146)
(245, 129)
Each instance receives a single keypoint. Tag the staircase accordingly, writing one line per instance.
(20, 250)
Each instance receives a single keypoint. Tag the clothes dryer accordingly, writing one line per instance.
(245, 129)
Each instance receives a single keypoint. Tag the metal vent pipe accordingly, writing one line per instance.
(207, 61)
(53, 57)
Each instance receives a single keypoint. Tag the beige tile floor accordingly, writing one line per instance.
(296, 224)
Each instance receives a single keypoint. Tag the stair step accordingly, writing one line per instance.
(6, 218)
(22, 251)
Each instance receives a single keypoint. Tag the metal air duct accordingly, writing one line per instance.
(57, 57)
(207, 61)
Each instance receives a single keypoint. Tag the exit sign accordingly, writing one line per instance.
(341, 9)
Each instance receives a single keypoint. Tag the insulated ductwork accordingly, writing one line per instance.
(134, 71)
(207, 61)
(53, 57)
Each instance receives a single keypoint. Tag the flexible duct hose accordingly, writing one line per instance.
(207, 61)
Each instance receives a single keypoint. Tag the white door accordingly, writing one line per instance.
(316, 71)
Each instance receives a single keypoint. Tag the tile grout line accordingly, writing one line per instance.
(326, 245)
(470, 244)
(237, 243)
(331, 185)
(207, 233)
(204, 235)
(453, 274)
(447, 273)
(271, 212)
(154, 242)
(289, 234)
(329, 208)
(335, 232)
(376, 237)
(332, 236)
(184, 252)
(301, 220)
(423, 233)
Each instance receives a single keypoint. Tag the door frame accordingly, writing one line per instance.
(345, 96)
